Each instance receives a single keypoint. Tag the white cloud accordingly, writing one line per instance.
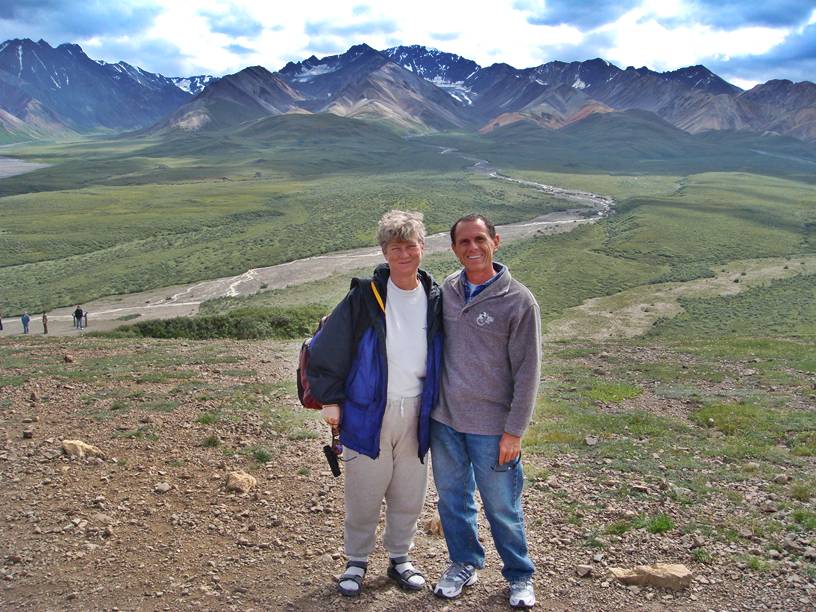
(637, 42)
(661, 34)
(745, 84)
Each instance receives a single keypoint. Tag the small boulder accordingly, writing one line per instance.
(591, 440)
(68, 358)
(28, 433)
(102, 518)
(583, 571)
(78, 448)
(434, 525)
(697, 541)
(661, 575)
(240, 481)
(162, 487)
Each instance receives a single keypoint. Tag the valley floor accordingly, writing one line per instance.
(629, 461)
(184, 300)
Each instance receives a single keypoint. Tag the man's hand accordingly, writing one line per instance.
(331, 414)
(509, 448)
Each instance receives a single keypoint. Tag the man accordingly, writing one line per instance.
(25, 320)
(489, 384)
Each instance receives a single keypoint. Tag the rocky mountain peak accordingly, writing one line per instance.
(412, 85)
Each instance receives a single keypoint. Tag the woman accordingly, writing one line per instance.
(375, 366)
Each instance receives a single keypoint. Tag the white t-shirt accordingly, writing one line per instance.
(406, 343)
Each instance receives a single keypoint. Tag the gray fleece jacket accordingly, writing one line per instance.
(492, 358)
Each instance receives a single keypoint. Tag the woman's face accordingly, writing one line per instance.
(403, 256)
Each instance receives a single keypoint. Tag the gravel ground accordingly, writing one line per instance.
(152, 526)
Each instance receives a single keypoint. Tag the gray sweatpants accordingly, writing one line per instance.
(397, 476)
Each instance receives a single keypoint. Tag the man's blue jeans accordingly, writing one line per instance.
(461, 462)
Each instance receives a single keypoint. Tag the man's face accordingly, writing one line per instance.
(403, 256)
(474, 248)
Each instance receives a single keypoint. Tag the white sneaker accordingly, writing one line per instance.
(522, 594)
(457, 576)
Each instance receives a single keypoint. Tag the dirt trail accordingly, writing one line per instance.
(184, 300)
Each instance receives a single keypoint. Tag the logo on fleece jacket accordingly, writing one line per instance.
(484, 319)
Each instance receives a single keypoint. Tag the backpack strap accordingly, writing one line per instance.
(377, 295)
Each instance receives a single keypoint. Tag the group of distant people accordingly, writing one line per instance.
(80, 320)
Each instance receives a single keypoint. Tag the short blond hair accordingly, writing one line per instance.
(400, 225)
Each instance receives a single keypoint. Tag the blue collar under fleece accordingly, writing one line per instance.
(471, 290)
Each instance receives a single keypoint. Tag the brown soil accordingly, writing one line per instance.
(82, 534)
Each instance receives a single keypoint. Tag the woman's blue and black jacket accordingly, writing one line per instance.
(348, 364)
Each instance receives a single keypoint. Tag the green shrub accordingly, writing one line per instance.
(801, 491)
(211, 441)
(618, 527)
(208, 418)
(732, 419)
(757, 564)
(659, 524)
(261, 455)
(805, 518)
(804, 444)
(613, 392)
(242, 324)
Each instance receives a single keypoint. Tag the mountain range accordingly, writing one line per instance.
(47, 91)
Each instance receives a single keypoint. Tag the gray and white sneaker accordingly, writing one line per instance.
(522, 594)
(457, 576)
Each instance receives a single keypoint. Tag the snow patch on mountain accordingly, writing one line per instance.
(193, 84)
(307, 74)
(462, 96)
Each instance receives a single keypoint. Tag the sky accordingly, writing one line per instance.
(744, 41)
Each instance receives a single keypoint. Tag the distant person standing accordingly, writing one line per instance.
(1, 322)
(85, 318)
(78, 314)
(45, 324)
(25, 320)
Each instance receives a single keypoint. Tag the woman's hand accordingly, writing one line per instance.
(331, 414)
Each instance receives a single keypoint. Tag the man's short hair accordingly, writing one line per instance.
(400, 225)
(491, 229)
